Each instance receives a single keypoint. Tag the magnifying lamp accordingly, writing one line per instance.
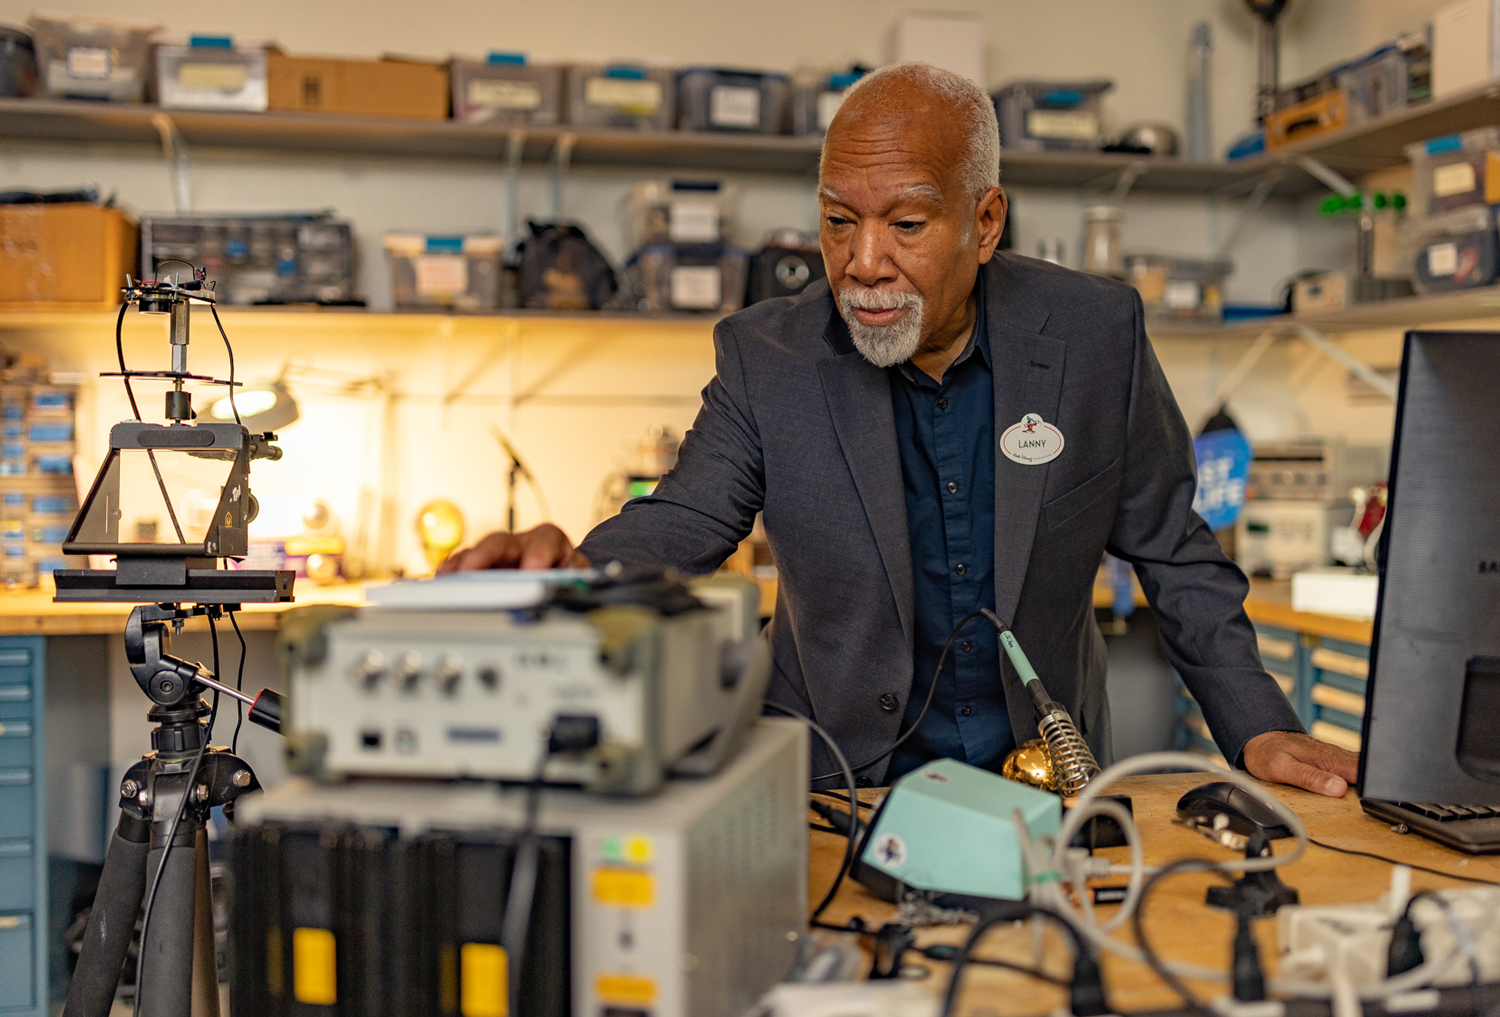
(263, 406)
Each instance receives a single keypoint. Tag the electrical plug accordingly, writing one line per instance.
(1405, 951)
(1249, 977)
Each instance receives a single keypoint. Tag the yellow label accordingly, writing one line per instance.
(484, 980)
(641, 98)
(314, 973)
(10, 921)
(638, 849)
(625, 990)
(221, 77)
(624, 888)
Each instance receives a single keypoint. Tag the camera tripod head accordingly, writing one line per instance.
(171, 682)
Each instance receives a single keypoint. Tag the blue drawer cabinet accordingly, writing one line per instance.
(1339, 672)
(23, 828)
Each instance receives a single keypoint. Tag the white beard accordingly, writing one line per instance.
(883, 345)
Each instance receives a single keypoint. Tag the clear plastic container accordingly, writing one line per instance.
(681, 212)
(257, 259)
(1184, 288)
(17, 64)
(1038, 115)
(1454, 251)
(457, 272)
(713, 99)
(1455, 170)
(505, 89)
(92, 58)
(1375, 85)
(622, 95)
(211, 73)
(816, 97)
(688, 277)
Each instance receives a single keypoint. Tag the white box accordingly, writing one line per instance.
(1465, 46)
(1281, 538)
(952, 41)
(1336, 590)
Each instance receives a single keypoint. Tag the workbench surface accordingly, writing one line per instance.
(1178, 922)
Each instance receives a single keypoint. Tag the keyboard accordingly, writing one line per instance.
(1474, 829)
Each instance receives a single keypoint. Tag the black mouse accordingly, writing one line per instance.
(1243, 814)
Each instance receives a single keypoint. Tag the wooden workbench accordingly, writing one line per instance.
(1270, 602)
(34, 613)
(1178, 922)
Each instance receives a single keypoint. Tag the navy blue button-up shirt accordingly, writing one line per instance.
(946, 433)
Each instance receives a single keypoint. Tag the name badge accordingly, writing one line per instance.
(1031, 442)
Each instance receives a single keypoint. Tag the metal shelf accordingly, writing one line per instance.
(1436, 309)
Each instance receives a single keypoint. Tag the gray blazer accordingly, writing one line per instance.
(799, 426)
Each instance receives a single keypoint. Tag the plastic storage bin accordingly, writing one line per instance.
(211, 73)
(1187, 288)
(92, 58)
(680, 212)
(1455, 170)
(688, 277)
(17, 64)
(505, 89)
(458, 272)
(711, 99)
(1454, 251)
(257, 259)
(1375, 85)
(621, 95)
(1038, 115)
(816, 98)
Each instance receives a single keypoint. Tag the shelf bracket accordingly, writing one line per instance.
(515, 145)
(1128, 176)
(174, 150)
(1258, 196)
(1364, 372)
(1334, 181)
(562, 156)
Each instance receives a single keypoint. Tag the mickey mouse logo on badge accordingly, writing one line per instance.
(1032, 442)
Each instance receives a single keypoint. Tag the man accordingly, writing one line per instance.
(937, 429)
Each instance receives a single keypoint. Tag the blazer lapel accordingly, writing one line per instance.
(1028, 373)
(859, 401)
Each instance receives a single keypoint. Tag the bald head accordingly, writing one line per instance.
(932, 107)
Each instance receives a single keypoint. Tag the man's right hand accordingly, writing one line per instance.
(545, 547)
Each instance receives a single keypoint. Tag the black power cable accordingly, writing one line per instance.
(1086, 986)
(239, 684)
(848, 772)
(936, 674)
(1396, 861)
(1153, 959)
(230, 350)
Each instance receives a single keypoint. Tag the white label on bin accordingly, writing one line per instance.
(733, 106)
(828, 105)
(227, 78)
(88, 63)
(1455, 178)
(492, 94)
(1072, 124)
(442, 275)
(696, 287)
(1182, 295)
(1442, 259)
(693, 222)
(642, 98)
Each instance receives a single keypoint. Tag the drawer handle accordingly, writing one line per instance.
(15, 658)
(1332, 733)
(1278, 649)
(15, 729)
(15, 849)
(1337, 699)
(14, 777)
(1343, 663)
(15, 693)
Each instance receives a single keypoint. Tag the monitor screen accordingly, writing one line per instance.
(1432, 709)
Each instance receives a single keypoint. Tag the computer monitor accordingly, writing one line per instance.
(1432, 707)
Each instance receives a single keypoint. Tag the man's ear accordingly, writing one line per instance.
(989, 217)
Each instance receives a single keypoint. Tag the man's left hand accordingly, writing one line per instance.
(1288, 757)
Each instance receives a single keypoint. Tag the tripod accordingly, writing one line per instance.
(159, 850)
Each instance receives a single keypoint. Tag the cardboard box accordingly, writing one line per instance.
(377, 88)
(1318, 115)
(72, 256)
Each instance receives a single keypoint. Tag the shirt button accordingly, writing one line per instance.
(942, 404)
(966, 710)
(966, 647)
(888, 703)
(952, 487)
(962, 570)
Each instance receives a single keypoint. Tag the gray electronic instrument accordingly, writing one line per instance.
(667, 679)
(687, 902)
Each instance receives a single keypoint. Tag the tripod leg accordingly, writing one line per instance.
(112, 921)
(164, 979)
(205, 958)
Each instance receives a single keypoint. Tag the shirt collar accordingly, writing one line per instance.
(978, 340)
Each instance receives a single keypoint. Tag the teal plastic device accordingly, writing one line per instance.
(948, 830)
